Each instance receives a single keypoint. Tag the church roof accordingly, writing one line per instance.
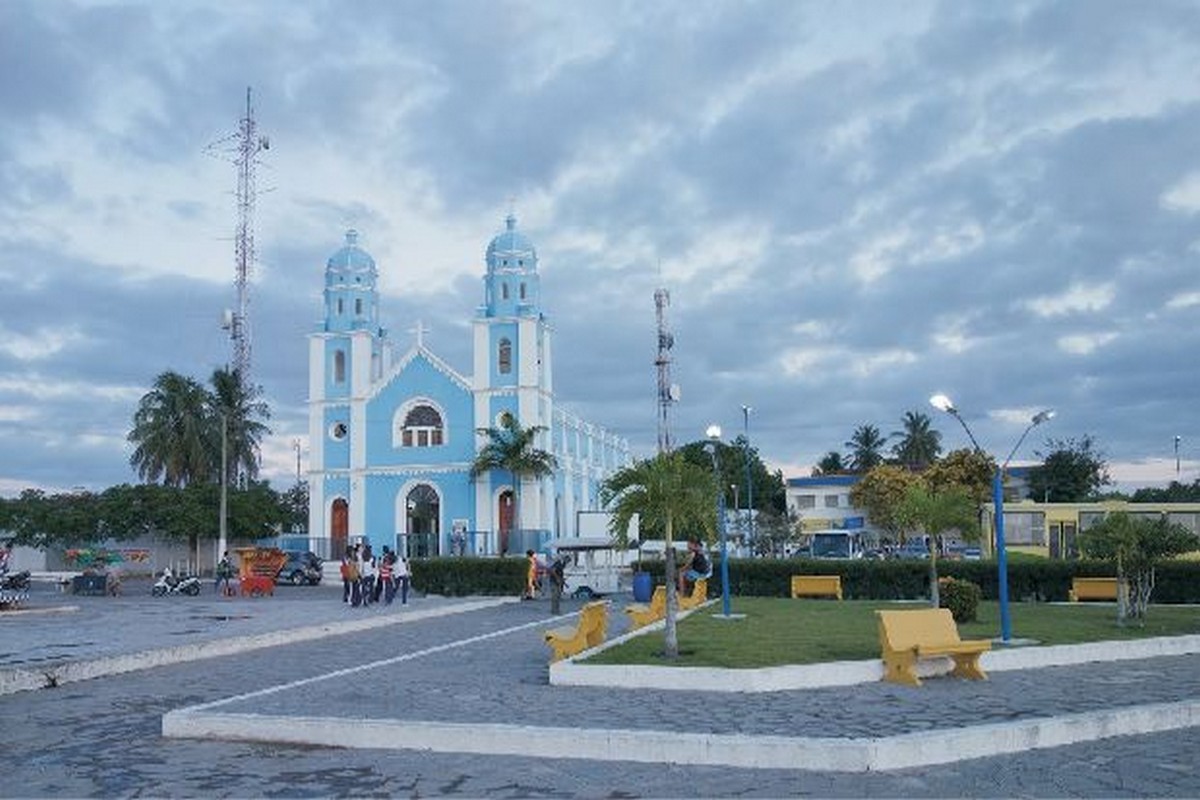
(351, 257)
(511, 246)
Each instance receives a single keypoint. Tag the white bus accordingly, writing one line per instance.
(836, 544)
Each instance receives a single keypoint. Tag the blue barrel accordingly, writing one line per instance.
(643, 587)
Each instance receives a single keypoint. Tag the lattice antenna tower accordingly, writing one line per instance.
(668, 393)
(242, 150)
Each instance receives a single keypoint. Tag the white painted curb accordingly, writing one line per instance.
(23, 679)
(675, 747)
(571, 672)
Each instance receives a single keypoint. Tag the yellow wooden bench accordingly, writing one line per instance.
(907, 636)
(588, 632)
(817, 586)
(698, 596)
(641, 614)
(1093, 589)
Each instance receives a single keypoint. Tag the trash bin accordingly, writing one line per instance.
(643, 587)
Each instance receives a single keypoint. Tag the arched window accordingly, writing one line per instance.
(522, 291)
(504, 363)
(504, 291)
(358, 306)
(422, 427)
(339, 366)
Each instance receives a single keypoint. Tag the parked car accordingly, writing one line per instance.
(912, 549)
(302, 568)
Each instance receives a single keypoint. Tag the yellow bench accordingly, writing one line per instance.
(1093, 589)
(588, 632)
(817, 586)
(641, 614)
(907, 636)
(698, 596)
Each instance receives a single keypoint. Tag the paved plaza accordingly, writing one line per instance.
(480, 664)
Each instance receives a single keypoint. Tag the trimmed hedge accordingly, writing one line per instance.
(456, 577)
(1175, 581)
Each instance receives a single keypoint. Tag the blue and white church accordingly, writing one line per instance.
(393, 435)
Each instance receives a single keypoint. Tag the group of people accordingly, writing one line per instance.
(366, 578)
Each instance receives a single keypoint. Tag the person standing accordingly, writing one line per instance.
(386, 577)
(224, 574)
(403, 575)
(367, 572)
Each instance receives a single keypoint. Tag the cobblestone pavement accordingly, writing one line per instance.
(101, 737)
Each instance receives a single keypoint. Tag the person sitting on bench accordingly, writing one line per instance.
(696, 567)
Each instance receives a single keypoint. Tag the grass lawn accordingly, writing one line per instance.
(779, 631)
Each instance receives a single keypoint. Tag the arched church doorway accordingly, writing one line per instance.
(423, 515)
(505, 515)
(339, 527)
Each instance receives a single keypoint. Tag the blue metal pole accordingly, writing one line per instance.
(724, 554)
(749, 476)
(1001, 554)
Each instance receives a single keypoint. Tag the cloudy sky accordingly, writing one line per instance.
(853, 205)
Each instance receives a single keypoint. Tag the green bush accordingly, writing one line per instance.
(457, 577)
(1028, 581)
(961, 597)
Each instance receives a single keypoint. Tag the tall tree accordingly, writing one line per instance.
(919, 444)
(770, 492)
(512, 448)
(1072, 470)
(830, 464)
(239, 409)
(866, 448)
(171, 432)
(667, 492)
(971, 469)
(937, 513)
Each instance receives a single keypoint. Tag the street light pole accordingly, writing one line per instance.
(1176, 458)
(749, 473)
(943, 403)
(222, 544)
(714, 436)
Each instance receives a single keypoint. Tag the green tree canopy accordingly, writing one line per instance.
(881, 493)
(1072, 470)
(866, 448)
(919, 444)
(1136, 544)
(938, 512)
(171, 434)
(512, 448)
(240, 409)
(770, 492)
(830, 464)
(968, 468)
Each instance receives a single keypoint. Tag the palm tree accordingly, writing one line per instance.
(866, 448)
(511, 448)
(666, 491)
(919, 444)
(239, 408)
(170, 432)
(830, 464)
(939, 512)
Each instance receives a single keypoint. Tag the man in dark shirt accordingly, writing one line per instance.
(696, 567)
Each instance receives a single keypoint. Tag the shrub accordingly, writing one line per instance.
(961, 597)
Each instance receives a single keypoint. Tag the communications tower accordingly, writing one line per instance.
(242, 149)
(668, 393)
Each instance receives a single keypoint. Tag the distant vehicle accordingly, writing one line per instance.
(837, 544)
(302, 568)
(593, 567)
(913, 549)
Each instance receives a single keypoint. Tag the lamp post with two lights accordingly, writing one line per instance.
(714, 436)
(943, 403)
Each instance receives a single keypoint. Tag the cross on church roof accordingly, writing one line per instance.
(419, 330)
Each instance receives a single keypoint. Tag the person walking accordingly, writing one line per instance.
(403, 575)
(224, 574)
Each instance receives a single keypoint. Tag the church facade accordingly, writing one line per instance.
(393, 435)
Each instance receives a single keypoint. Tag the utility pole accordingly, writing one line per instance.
(668, 392)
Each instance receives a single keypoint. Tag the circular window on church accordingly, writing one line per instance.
(338, 430)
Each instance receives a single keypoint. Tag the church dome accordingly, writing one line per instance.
(511, 249)
(351, 258)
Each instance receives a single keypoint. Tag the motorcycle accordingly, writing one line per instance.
(14, 589)
(184, 584)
